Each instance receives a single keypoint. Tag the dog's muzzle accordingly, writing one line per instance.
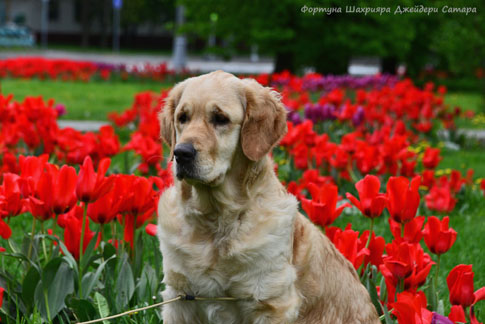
(185, 155)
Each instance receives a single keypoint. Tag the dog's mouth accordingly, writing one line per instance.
(192, 176)
(184, 171)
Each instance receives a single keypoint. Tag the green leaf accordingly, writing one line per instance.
(125, 285)
(432, 295)
(157, 256)
(441, 307)
(26, 246)
(147, 285)
(89, 252)
(60, 288)
(57, 283)
(67, 255)
(371, 288)
(89, 280)
(23, 258)
(101, 305)
(383, 289)
(50, 271)
(108, 250)
(137, 264)
(28, 286)
(13, 246)
(83, 309)
(387, 316)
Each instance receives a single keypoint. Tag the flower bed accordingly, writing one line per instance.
(71, 70)
(88, 255)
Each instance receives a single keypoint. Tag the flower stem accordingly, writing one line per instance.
(113, 236)
(29, 253)
(133, 248)
(370, 232)
(81, 250)
(54, 226)
(46, 299)
(102, 231)
(43, 241)
(437, 273)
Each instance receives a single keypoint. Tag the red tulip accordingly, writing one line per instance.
(73, 223)
(371, 202)
(64, 185)
(136, 208)
(440, 198)
(403, 199)
(104, 210)
(457, 314)
(151, 229)
(456, 181)
(1, 296)
(412, 230)
(405, 261)
(91, 185)
(322, 209)
(460, 285)
(438, 236)
(32, 168)
(410, 308)
(347, 242)
(479, 295)
(376, 248)
(149, 148)
(431, 158)
(10, 191)
(41, 199)
(5, 230)
(428, 178)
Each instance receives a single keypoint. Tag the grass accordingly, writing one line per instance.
(468, 101)
(463, 160)
(83, 101)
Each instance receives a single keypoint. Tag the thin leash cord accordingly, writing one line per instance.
(179, 297)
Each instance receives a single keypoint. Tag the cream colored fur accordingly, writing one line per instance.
(235, 231)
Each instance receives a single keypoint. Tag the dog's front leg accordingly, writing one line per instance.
(178, 312)
(278, 310)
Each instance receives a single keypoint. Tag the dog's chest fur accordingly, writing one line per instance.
(242, 252)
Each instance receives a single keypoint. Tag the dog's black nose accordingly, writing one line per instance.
(184, 152)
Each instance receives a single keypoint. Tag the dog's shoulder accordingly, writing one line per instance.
(167, 211)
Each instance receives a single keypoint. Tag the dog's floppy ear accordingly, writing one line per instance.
(166, 116)
(264, 121)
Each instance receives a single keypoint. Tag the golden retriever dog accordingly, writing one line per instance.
(227, 227)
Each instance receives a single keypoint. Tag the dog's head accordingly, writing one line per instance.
(206, 118)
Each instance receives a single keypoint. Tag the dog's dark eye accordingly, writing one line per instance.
(220, 120)
(183, 118)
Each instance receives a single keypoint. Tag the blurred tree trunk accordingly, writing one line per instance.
(7, 11)
(85, 22)
(105, 22)
(389, 64)
(285, 60)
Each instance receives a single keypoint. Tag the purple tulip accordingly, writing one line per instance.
(61, 109)
(330, 82)
(440, 319)
(294, 117)
(358, 116)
